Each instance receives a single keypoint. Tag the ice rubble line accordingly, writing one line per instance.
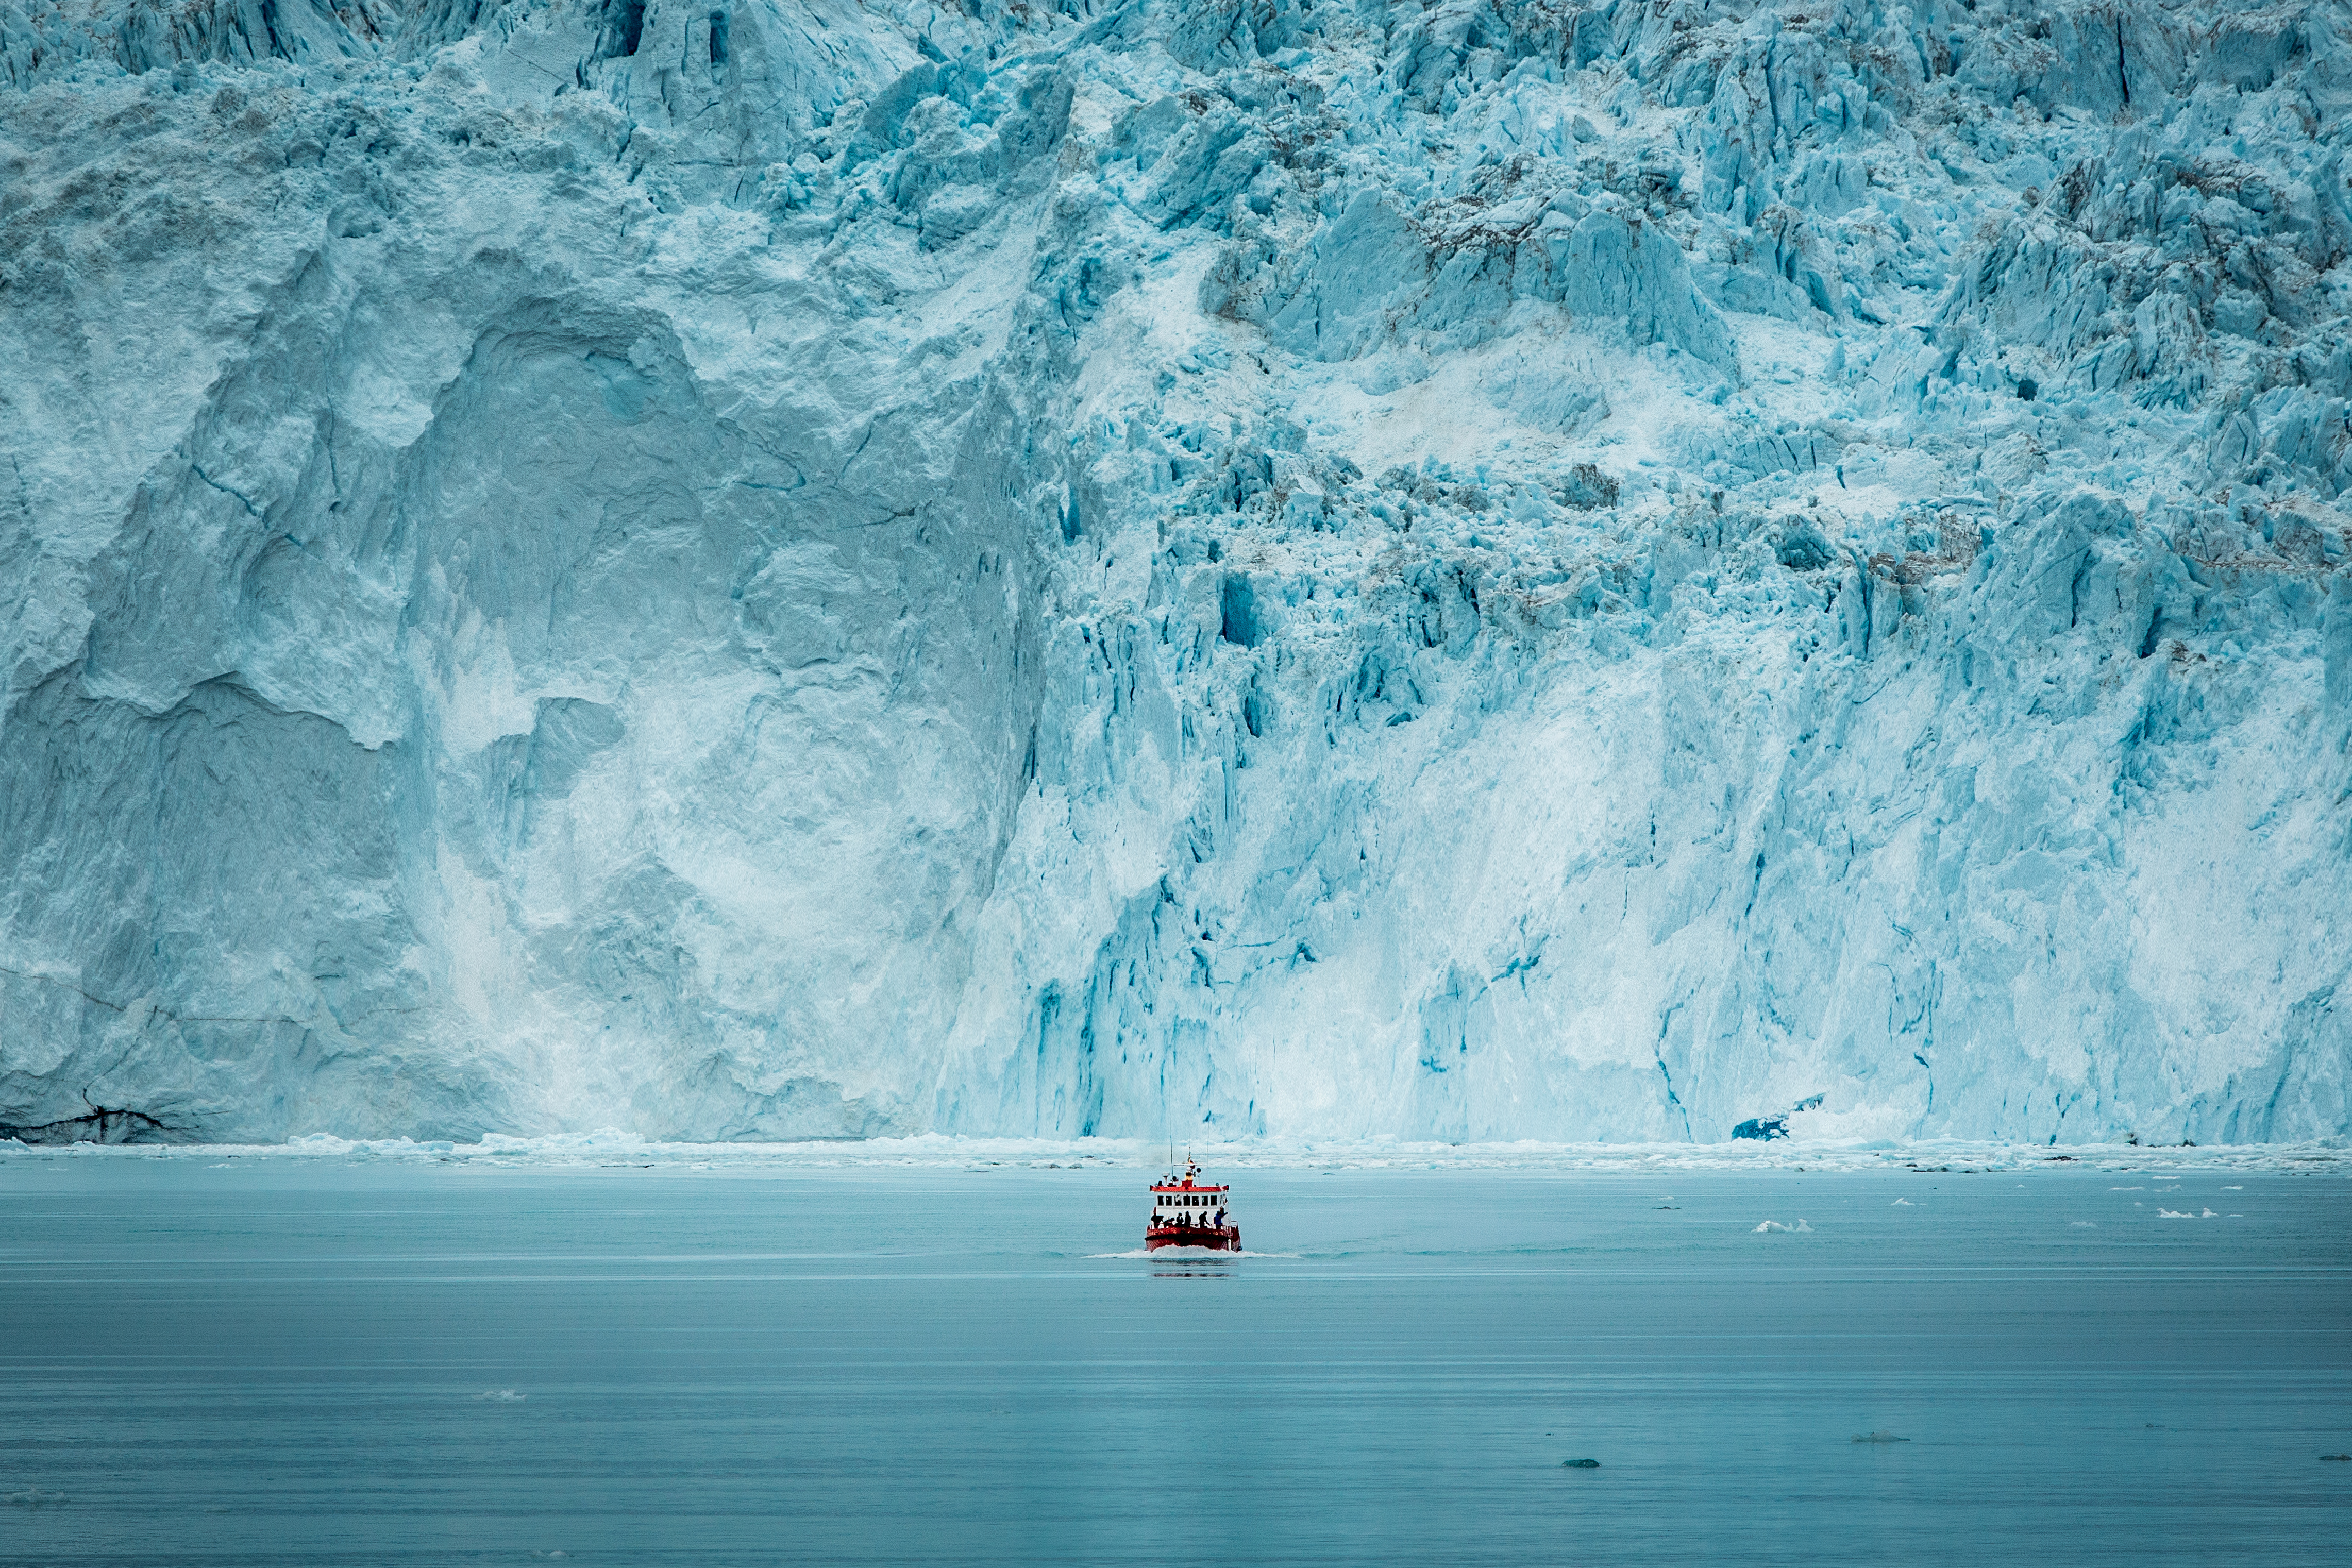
(610, 1148)
(1474, 572)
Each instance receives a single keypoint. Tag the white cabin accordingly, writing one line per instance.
(1188, 1203)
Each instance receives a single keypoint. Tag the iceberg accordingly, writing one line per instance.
(1472, 571)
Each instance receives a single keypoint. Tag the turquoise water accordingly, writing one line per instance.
(287, 1362)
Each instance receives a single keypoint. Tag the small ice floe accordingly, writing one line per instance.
(1880, 1436)
(1580, 1464)
(1773, 1225)
(503, 1396)
(2233, 1189)
(33, 1497)
(2085, 1224)
(1900, 1203)
(556, 1556)
(2208, 1214)
(2173, 1214)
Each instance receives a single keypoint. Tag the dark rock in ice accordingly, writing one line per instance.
(1587, 488)
(103, 1124)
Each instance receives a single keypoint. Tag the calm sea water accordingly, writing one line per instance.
(317, 1362)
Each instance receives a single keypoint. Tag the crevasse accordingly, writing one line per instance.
(1482, 570)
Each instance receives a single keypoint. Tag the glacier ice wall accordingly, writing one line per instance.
(1479, 569)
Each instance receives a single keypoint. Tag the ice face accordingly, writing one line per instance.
(1477, 571)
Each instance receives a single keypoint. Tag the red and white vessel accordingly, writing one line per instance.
(1189, 1213)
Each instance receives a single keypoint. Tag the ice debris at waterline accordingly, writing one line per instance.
(610, 1149)
(1473, 569)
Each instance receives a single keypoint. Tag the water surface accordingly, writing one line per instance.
(329, 1363)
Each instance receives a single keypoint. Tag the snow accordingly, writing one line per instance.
(1474, 572)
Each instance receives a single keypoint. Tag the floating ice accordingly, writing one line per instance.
(937, 1152)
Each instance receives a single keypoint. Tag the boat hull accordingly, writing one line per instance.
(1212, 1237)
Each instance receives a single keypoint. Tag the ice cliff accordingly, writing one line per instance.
(1485, 569)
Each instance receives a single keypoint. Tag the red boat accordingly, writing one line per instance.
(1187, 1213)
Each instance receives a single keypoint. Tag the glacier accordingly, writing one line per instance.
(1468, 572)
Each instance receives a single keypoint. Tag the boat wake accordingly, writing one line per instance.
(1188, 1254)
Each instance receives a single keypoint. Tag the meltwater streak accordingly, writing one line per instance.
(288, 1362)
